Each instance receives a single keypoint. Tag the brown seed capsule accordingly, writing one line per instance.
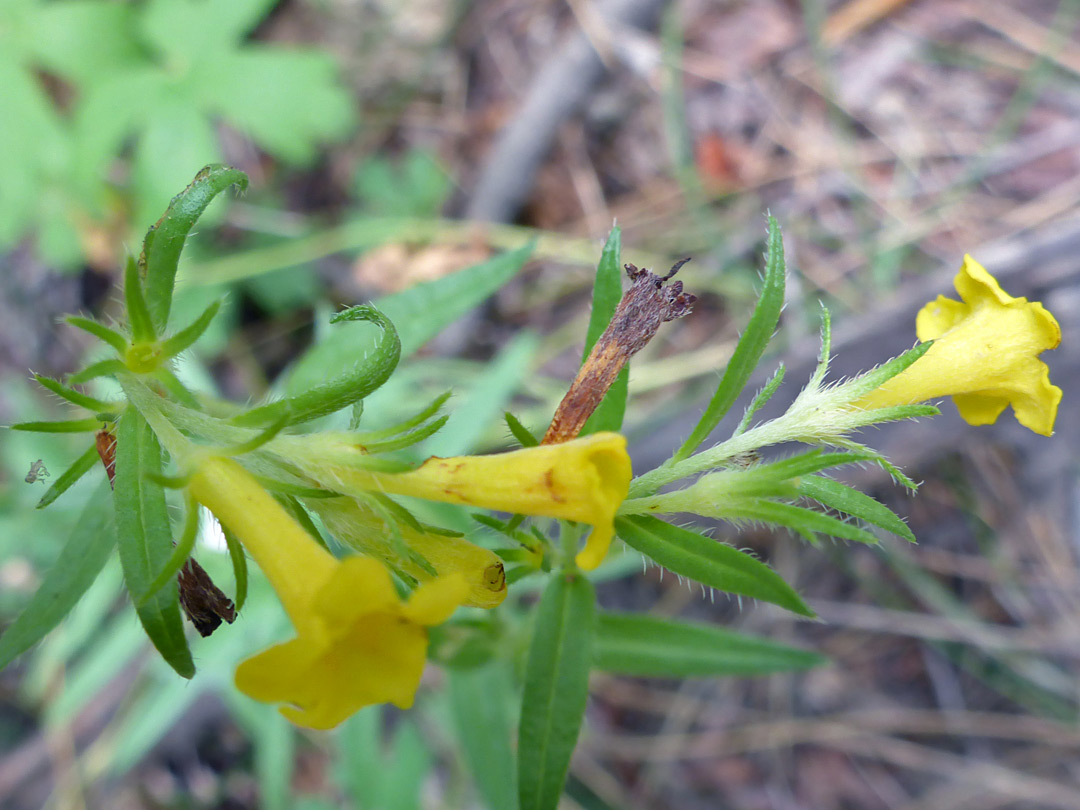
(646, 305)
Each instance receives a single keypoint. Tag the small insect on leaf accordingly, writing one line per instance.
(37, 472)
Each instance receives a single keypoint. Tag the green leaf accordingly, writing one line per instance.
(708, 561)
(80, 561)
(73, 396)
(607, 292)
(762, 397)
(239, 566)
(138, 312)
(180, 553)
(647, 646)
(145, 537)
(418, 313)
(750, 348)
(189, 334)
(485, 398)
(165, 240)
(519, 431)
(82, 465)
(61, 426)
(556, 689)
(806, 522)
(100, 331)
(857, 504)
(102, 368)
(328, 397)
(480, 699)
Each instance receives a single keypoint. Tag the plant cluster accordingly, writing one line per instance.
(373, 590)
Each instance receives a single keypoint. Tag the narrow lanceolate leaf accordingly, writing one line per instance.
(320, 400)
(100, 331)
(479, 700)
(165, 240)
(180, 553)
(646, 646)
(145, 537)
(750, 348)
(708, 561)
(62, 426)
(519, 431)
(82, 465)
(102, 368)
(239, 564)
(857, 504)
(71, 395)
(190, 333)
(78, 565)
(607, 291)
(556, 689)
(138, 310)
(806, 522)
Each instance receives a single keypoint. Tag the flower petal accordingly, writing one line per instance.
(985, 356)
(434, 602)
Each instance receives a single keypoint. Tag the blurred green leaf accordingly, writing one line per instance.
(485, 398)
(646, 646)
(415, 186)
(556, 689)
(710, 562)
(81, 560)
(418, 314)
(406, 767)
(145, 537)
(358, 765)
(198, 68)
(479, 700)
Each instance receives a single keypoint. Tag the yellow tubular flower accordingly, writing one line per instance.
(360, 527)
(585, 480)
(356, 643)
(985, 356)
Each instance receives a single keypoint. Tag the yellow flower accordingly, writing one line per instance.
(584, 480)
(357, 643)
(360, 527)
(985, 356)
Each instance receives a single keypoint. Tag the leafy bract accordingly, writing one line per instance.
(708, 561)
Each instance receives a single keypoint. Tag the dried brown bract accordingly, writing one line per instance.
(204, 603)
(648, 303)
